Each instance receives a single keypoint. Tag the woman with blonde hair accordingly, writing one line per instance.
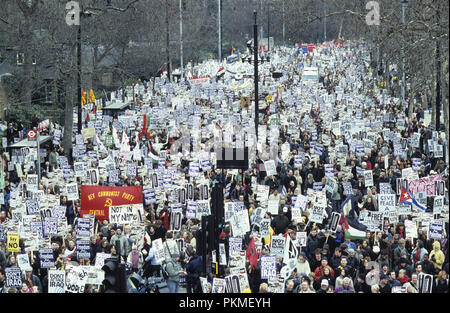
(441, 283)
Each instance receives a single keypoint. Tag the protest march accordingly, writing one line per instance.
(343, 192)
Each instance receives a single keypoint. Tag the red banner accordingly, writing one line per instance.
(97, 199)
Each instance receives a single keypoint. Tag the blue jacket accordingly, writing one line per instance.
(194, 266)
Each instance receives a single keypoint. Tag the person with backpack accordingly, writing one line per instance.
(173, 269)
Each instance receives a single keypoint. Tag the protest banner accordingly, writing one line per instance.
(317, 212)
(334, 221)
(46, 258)
(386, 203)
(425, 283)
(56, 281)
(232, 284)
(83, 249)
(424, 184)
(404, 209)
(273, 206)
(368, 178)
(436, 229)
(83, 228)
(385, 188)
(124, 214)
(159, 250)
(32, 206)
(32, 182)
(72, 192)
(301, 202)
(76, 280)
(438, 205)
(93, 176)
(268, 266)
(240, 224)
(13, 277)
(276, 284)
(97, 199)
(237, 260)
(95, 275)
(176, 217)
(218, 285)
(23, 261)
(235, 246)
(203, 208)
(439, 188)
(301, 238)
(264, 228)
(270, 167)
(100, 258)
(277, 246)
(243, 278)
(13, 242)
(410, 229)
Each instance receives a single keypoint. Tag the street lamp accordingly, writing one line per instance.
(404, 5)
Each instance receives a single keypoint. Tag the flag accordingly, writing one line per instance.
(406, 197)
(100, 145)
(87, 117)
(83, 98)
(353, 231)
(251, 254)
(233, 49)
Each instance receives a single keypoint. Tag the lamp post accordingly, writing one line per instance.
(219, 5)
(404, 5)
(181, 39)
(255, 67)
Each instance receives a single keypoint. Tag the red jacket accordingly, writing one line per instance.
(319, 272)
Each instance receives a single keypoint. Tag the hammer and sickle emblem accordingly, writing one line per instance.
(108, 202)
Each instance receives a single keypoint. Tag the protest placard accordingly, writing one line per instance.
(270, 167)
(83, 249)
(240, 224)
(410, 229)
(83, 228)
(23, 261)
(46, 258)
(13, 242)
(218, 285)
(425, 283)
(436, 229)
(50, 226)
(176, 217)
(159, 250)
(76, 280)
(273, 206)
(56, 281)
(72, 192)
(268, 267)
(232, 284)
(100, 258)
(235, 246)
(124, 214)
(368, 178)
(317, 212)
(13, 277)
(277, 246)
(385, 188)
(32, 182)
(203, 208)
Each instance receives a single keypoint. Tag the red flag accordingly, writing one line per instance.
(87, 117)
(251, 253)
(404, 196)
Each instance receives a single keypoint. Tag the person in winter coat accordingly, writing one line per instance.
(170, 246)
(437, 257)
(418, 252)
(312, 243)
(427, 266)
(135, 259)
(123, 240)
(193, 269)
(280, 222)
(153, 267)
(302, 265)
(319, 271)
(401, 248)
(174, 270)
(441, 283)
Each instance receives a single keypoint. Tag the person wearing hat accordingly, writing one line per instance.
(174, 270)
(404, 264)
(323, 286)
(302, 265)
(280, 222)
(383, 284)
(361, 285)
(30, 279)
(135, 258)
